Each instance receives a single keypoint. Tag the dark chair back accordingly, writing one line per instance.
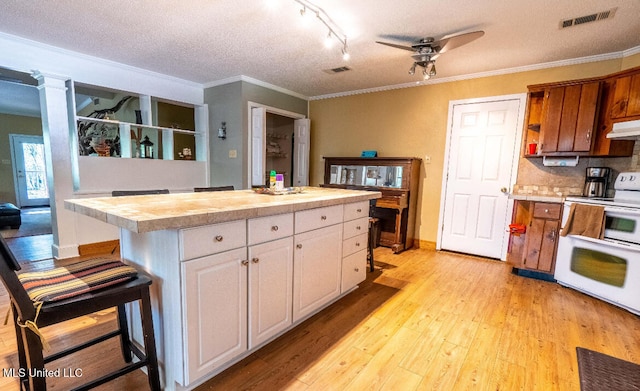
(216, 188)
(8, 268)
(119, 193)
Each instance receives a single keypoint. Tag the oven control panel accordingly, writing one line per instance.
(628, 181)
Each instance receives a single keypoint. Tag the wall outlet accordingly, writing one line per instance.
(233, 153)
(427, 159)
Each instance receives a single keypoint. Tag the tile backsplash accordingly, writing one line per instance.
(536, 179)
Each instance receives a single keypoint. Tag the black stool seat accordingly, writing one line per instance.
(10, 215)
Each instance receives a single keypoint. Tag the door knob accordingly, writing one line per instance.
(504, 190)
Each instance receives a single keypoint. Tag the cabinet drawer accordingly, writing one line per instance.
(355, 227)
(354, 244)
(356, 210)
(212, 239)
(311, 219)
(265, 229)
(545, 210)
(354, 270)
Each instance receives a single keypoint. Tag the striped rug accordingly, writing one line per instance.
(75, 279)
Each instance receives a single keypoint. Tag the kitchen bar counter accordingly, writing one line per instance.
(233, 270)
(145, 213)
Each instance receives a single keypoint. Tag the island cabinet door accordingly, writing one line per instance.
(317, 259)
(215, 302)
(270, 289)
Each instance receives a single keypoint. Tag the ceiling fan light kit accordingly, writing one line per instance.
(426, 50)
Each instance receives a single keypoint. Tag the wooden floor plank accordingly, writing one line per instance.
(423, 320)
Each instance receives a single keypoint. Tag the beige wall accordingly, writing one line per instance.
(411, 122)
(13, 124)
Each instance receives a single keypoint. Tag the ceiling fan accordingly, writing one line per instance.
(427, 50)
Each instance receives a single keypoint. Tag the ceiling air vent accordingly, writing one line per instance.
(337, 70)
(608, 14)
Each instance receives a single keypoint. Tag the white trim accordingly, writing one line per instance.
(249, 130)
(256, 82)
(506, 71)
(522, 98)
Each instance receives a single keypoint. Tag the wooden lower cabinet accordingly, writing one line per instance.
(535, 249)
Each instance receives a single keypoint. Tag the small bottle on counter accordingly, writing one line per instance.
(272, 180)
(279, 182)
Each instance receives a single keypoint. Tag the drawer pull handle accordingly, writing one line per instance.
(255, 260)
(323, 218)
(245, 262)
(357, 244)
(299, 245)
(274, 228)
(359, 210)
(358, 228)
(546, 211)
(219, 238)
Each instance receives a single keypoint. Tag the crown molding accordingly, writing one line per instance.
(257, 82)
(71, 64)
(506, 71)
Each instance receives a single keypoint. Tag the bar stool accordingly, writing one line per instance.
(44, 298)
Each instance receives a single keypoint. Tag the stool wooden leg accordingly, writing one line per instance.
(125, 340)
(34, 359)
(149, 341)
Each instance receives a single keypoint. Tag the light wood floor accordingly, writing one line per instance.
(422, 320)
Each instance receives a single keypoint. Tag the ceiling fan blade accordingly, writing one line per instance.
(393, 45)
(458, 40)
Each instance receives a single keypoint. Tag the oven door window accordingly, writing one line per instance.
(620, 224)
(599, 266)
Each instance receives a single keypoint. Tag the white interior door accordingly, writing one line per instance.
(482, 149)
(30, 176)
(258, 156)
(301, 152)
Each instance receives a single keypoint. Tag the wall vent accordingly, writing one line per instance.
(608, 14)
(336, 70)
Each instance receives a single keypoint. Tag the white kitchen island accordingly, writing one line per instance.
(233, 270)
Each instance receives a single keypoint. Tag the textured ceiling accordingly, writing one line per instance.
(209, 41)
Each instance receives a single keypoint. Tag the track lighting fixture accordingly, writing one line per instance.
(323, 17)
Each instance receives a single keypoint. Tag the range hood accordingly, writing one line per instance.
(629, 130)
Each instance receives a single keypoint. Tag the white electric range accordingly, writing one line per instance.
(607, 268)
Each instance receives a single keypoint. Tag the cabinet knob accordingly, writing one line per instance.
(245, 262)
(546, 211)
(359, 210)
(219, 238)
(274, 228)
(323, 218)
(358, 228)
(357, 244)
(356, 269)
(299, 245)
(255, 260)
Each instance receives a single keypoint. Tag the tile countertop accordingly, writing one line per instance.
(146, 213)
(537, 198)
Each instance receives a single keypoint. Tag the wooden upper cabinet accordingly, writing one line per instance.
(626, 97)
(569, 119)
(573, 118)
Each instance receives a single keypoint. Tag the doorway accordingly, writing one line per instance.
(29, 172)
(481, 160)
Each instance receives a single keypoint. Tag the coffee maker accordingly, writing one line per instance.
(596, 181)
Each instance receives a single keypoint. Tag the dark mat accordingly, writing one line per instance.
(600, 372)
